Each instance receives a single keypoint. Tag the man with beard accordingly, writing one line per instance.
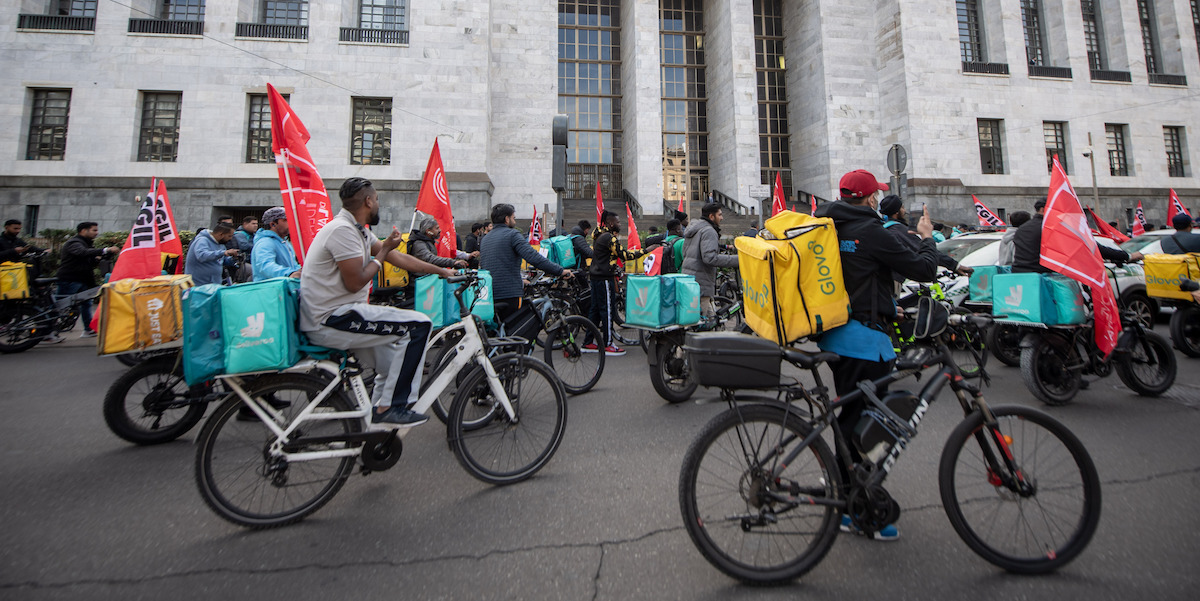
(895, 220)
(334, 285)
(702, 254)
(606, 251)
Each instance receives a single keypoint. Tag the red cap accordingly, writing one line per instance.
(860, 184)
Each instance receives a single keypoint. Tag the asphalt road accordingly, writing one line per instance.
(84, 515)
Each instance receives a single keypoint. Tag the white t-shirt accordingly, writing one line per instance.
(321, 286)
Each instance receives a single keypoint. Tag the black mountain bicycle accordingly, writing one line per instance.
(762, 495)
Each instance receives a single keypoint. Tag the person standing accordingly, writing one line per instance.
(1183, 240)
(579, 242)
(76, 271)
(272, 255)
(11, 245)
(207, 253)
(606, 251)
(1007, 247)
(702, 254)
(500, 253)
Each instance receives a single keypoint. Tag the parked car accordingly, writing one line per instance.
(1148, 243)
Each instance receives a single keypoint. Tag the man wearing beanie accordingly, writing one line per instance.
(895, 220)
(272, 255)
(1183, 240)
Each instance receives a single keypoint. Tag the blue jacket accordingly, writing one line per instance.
(204, 259)
(244, 240)
(501, 252)
(272, 256)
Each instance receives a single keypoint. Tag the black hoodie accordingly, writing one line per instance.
(870, 255)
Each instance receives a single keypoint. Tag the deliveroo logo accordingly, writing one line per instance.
(428, 302)
(1013, 300)
(254, 325)
(642, 297)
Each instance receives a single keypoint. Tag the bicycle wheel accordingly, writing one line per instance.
(1148, 370)
(240, 479)
(494, 448)
(671, 375)
(1030, 532)
(1185, 330)
(17, 332)
(445, 354)
(966, 348)
(1048, 373)
(151, 404)
(1004, 341)
(579, 371)
(730, 504)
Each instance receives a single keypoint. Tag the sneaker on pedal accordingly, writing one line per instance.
(400, 417)
(888, 533)
(613, 351)
(590, 347)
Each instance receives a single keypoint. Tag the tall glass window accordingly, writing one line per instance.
(183, 10)
(1149, 36)
(258, 130)
(589, 93)
(684, 100)
(75, 8)
(285, 12)
(371, 132)
(1055, 135)
(1196, 21)
(1173, 139)
(970, 32)
(1031, 18)
(383, 14)
(1091, 35)
(773, 154)
(48, 125)
(991, 150)
(1118, 159)
(158, 139)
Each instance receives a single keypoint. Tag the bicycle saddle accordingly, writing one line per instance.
(809, 360)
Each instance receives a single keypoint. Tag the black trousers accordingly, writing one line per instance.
(847, 373)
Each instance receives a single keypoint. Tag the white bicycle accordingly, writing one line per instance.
(311, 423)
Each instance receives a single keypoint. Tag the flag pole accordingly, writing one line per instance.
(287, 178)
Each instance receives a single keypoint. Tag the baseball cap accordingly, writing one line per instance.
(860, 184)
(272, 215)
(1181, 221)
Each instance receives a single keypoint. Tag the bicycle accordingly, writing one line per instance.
(152, 404)
(506, 423)
(762, 495)
(25, 322)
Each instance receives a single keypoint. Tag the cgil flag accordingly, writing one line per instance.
(305, 201)
(986, 216)
(434, 200)
(1069, 248)
(634, 241)
(535, 229)
(1138, 227)
(1175, 207)
(141, 257)
(164, 219)
(1107, 230)
(777, 204)
(599, 206)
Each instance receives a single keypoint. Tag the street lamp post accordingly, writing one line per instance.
(1090, 155)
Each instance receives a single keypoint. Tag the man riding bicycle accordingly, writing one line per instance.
(334, 285)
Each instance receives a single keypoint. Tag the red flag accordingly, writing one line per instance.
(305, 201)
(680, 207)
(986, 216)
(777, 205)
(164, 219)
(141, 256)
(1175, 207)
(535, 229)
(1139, 221)
(434, 200)
(599, 206)
(813, 198)
(634, 241)
(652, 262)
(1107, 230)
(1068, 248)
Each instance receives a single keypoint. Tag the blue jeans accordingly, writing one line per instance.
(85, 307)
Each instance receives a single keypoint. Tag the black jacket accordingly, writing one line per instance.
(1181, 242)
(1027, 249)
(79, 260)
(901, 229)
(424, 248)
(606, 251)
(871, 255)
(9, 246)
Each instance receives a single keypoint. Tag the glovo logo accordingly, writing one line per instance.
(827, 285)
(1160, 281)
(758, 298)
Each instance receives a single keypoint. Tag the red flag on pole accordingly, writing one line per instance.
(680, 207)
(634, 241)
(986, 216)
(599, 206)
(1107, 230)
(434, 200)
(305, 201)
(1175, 208)
(777, 205)
(1068, 248)
(813, 199)
(141, 256)
(535, 229)
(1139, 221)
(164, 218)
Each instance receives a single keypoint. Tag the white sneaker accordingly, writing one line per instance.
(87, 334)
(53, 339)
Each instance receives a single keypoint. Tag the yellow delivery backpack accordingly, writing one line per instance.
(14, 280)
(391, 276)
(136, 315)
(792, 278)
(1165, 272)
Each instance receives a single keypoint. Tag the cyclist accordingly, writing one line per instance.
(334, 286)
(1184, 240)
(272, 255)
(870, 255)
(1027, 246)
(895, 220)
(208, 253)
(500, 253)
(76, 272)
(702, 255)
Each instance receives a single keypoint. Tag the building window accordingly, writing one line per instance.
(383, 14)
(991, 150)
(371, 143)
(285, 12)
(183, 10)
(258, 130)
(1092, 36)
(1031, 18)
(75, 8)
(1149, 36)
(589, 93)
(684, 99)
(158, 140)
(1118, 159)
(1173, 138)
(30, 223)
(773, 151)
(48, 125)
(970, 32)
(1055, 134)
(1196, 21)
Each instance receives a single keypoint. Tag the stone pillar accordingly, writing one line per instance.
(641, 104)
(733, 162)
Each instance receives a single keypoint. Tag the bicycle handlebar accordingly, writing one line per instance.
(977, 320)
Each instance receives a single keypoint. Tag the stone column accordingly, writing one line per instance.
(641, 104)
(733, 161)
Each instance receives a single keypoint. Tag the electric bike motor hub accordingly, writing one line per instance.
(871, 508)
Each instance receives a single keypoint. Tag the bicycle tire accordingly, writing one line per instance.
(1185, 330)
(979, 508)
(238, 479)
(718, 482)
(151, 404)
(671, 375)
(1005, 343)
(578, 371)
(15, 337)
(490, 446)
(1046, 375)
(1140, 375)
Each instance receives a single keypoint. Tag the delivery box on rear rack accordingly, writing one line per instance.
(734, 360)
(1165, 273)
(14, 280)
(435, 298)
(141, 315)
(245, 328)
(1038, 298)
